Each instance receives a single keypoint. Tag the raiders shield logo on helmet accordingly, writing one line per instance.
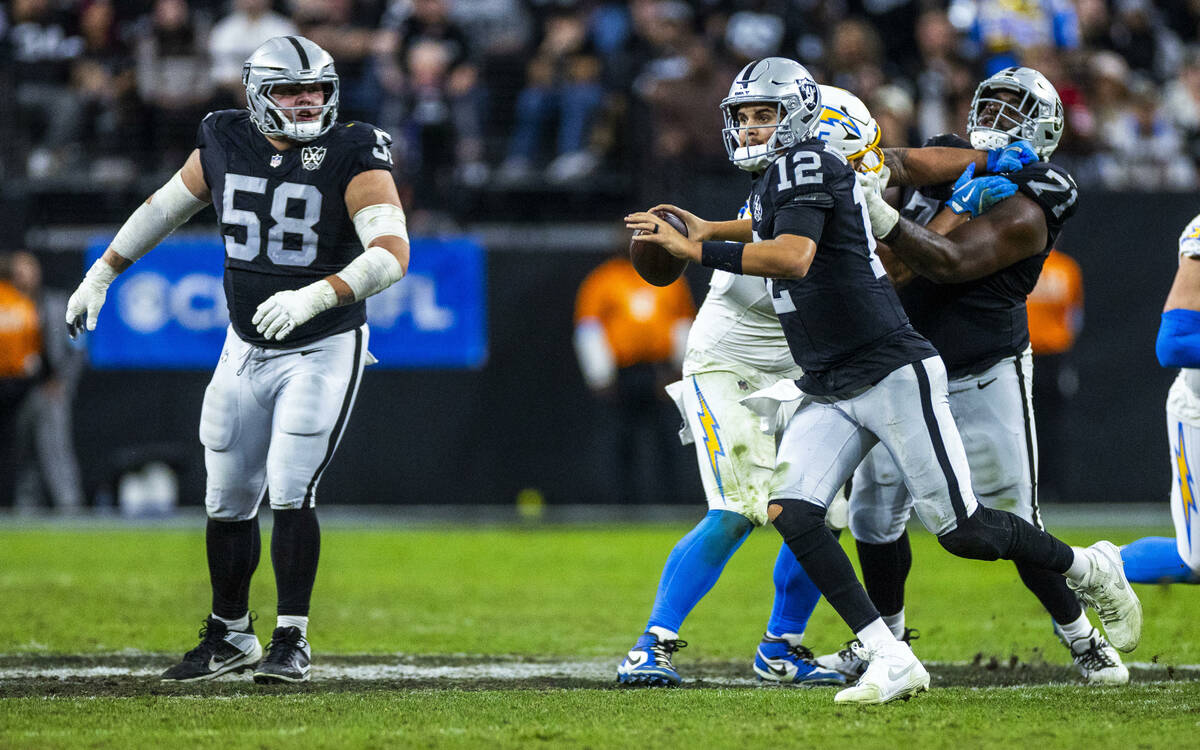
(312, 156)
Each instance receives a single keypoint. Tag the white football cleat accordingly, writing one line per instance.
(1098, 661)
(893, 673)
(1105, 589)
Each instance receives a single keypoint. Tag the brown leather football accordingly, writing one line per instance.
(654, 264)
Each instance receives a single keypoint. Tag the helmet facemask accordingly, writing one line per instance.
(283, 120)
(773, 82)
(1034, 114)
(290, 61)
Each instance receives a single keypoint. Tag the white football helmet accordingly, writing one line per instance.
(1037, 116)
(289, 60)
(797, 99)
(846, 125)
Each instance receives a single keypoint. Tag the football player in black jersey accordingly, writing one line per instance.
(869, 376)
(312, 225)
(968, 298)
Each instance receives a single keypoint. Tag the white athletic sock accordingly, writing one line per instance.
(293, 621)
(1079, 566)
(876, 635)
(664, 634)
(241, 624)
(895, 623)
(793, 639)
(1081, 628)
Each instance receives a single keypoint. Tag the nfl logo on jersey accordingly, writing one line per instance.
(312, 156)
(276, 160)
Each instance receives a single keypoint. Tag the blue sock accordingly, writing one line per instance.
(796, 596)
(695, 564)
(1155, 559)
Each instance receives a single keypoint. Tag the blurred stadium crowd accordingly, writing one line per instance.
(501, 94)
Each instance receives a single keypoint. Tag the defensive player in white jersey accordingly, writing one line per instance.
(967, 296)
(868, 376)
(313, 226)
(736, 347)
(1162, 559)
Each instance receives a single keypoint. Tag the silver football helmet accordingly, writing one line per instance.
(289, 60)
(846, 125)
(797, 99)
(1037, 115)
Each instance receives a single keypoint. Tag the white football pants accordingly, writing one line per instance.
(909, 414)
(994, 414)
(272, 419)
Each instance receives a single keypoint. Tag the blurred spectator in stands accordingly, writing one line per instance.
(1181, 102)
(1055, 309)
(755, 30)
(233, 38)
(20, 364)
(685, 127)
(1095, 25)
(563, 82)
(892, 108)
(173, 79)
(630, 339)
(426, 64)
(104, 75)
(1146, 151)
(43, 434)
(855, 59)
(943, 79)
(1003, 30)
(348, 30)
(1147, 44)
(44, 45)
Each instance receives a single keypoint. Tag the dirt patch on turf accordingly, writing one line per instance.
(136, 675)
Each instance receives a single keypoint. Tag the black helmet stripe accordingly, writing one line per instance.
(300, 51)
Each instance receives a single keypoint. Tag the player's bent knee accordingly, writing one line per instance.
(796, 518)
(982, 536)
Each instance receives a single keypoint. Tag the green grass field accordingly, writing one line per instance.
(510, 637)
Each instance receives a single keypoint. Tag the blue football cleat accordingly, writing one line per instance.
(648, 663)
(777, 660)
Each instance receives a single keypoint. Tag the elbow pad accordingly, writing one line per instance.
(379, 220)
(1178, 342)
(168, 209)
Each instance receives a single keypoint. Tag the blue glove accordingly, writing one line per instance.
(978, 194)
(1011, 158)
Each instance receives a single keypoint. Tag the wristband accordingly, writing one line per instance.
(723, 256)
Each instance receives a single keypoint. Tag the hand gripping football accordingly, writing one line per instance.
(652, 262)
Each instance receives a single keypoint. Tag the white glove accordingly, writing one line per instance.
(883, 216)
(88, 297)
(282, 312)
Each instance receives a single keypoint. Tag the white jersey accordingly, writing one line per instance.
(737, 325)
(1184, 398)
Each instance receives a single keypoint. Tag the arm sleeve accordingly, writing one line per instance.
(1179, 339)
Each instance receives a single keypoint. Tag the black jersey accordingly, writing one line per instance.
(843, 321)
(283, 214)
(978, 323)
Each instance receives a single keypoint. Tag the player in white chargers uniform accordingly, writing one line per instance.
(868, 376)
(736, 348)
(1162, 559)
(312, 225)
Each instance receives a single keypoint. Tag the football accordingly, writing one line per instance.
(653, 263)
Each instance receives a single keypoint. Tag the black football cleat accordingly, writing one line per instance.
(288, 658)
(221, 650)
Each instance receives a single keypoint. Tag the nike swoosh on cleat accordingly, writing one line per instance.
(894, 674)
(781, 671)
(214, 664)
(634, 661)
